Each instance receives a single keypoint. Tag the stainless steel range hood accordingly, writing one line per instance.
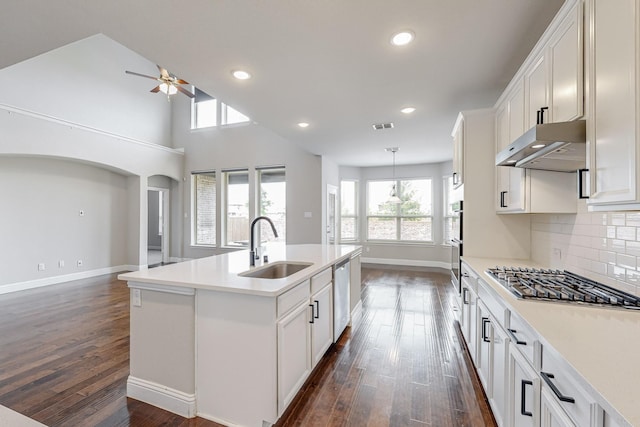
(557, 147)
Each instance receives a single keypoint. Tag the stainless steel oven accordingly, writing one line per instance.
(456, 244)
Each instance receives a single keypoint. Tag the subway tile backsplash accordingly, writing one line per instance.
(603, 246)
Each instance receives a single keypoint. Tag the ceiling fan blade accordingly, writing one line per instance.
(155, 89)
(141, 75)
(181, 82)
(164, 74)
(186, 92)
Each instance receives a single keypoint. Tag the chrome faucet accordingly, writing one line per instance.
(252, 253)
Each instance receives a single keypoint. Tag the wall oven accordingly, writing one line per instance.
(456, 244)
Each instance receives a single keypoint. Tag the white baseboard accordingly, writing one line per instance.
(176, 259)
(178, 402)
(356, 316)
(407, 262)
(37, 283)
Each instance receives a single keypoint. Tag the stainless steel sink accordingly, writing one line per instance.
(277, 270)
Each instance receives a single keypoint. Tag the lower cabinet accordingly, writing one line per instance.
(468, 315)
(551, 414)
(524, 390)
(499, 374)
(304, 335)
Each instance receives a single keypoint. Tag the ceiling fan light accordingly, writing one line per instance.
(393, 196)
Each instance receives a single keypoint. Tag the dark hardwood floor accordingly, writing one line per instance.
(64, 360)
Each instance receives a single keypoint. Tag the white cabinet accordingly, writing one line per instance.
(468, 316)
(483, 361)
(294, 353)
(536, 86)
(551, 414)
(614, 104)
(458, 152)
(499, 374)
(322, 323)
(524, 390)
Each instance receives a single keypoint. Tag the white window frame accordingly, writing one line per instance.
(282, 233)
(446, 202)
(224, 208)
(221, 113)
(399, 217)
(194, 209)
(355, 216)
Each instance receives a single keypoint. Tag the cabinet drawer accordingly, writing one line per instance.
(568, 393)
(320, 280)
(493, 302)
(292, 298)
(524, 339)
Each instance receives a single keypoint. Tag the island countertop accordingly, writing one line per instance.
(220, 272)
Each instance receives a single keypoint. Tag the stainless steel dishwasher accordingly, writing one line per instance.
(341, 292)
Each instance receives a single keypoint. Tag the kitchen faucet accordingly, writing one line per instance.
(252, 253)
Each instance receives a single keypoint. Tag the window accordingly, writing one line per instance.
(349, 210)
(447, 192)
(203, 185)
(206, 111)
(272, 202)
(408, 221)
(236, 208)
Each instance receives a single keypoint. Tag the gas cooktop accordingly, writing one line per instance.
(562, 286)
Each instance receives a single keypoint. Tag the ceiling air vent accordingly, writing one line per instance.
(380, 126)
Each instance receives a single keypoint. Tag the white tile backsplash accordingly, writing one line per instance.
(604, 246)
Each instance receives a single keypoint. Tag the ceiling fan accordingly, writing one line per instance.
(169, 84)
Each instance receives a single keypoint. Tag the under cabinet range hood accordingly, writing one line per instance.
(559, 147)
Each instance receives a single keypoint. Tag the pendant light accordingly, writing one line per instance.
(393, 196)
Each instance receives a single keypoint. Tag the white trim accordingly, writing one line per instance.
(176, 401)
(407, 262)
(37, 283)
(356, 317)
(52, 119)
(162, 288)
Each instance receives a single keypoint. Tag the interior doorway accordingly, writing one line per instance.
(332, 214)
(158, 228)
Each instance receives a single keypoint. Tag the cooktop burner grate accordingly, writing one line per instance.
(560, 285)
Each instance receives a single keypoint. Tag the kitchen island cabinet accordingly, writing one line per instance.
(232, 339)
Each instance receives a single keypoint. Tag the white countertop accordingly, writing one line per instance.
(10, 418)
(601, 344)
(220, 272)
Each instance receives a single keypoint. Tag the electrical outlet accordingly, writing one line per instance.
(41, 266)
(136, 298)
(367, 249)
(557, 253)
(79, 263)
(61, 263)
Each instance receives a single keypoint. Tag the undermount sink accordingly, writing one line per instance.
(277, 270)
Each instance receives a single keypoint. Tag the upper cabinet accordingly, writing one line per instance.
(549, 87)
(458, 152)
(614, 104)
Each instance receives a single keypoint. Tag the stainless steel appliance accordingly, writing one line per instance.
(561, 286)
(341, 292)
(557, 147)
(456, 244)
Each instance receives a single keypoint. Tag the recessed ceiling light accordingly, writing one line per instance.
(303, 124)
(241, 75)
(402, 38)
(537, 146)
(408, 110)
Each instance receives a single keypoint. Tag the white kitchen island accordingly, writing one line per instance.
(210, 342)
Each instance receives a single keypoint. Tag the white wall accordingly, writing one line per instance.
(248, 146)
(434, 254)
(40, 221)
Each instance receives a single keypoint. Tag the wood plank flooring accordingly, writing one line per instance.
(64, 360)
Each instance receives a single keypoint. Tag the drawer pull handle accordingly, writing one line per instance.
(485, 321)
(313, 316)
(465, 293)
(512, 334)
(547, 379)
(523, 400)
(317, 315)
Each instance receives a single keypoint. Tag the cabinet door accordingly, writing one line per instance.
(524, 391)
(567, 70)
(322, 326)
(612, 132)
(458, 154)
(516, 111)
(536, 92)
(483, 363)
(499, 374)
(551, 414)
(294, 353)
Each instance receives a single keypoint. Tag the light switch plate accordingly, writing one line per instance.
(136, 298)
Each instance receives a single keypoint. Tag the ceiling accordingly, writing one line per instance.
(326, 62)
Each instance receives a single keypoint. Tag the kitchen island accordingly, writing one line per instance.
(207, 339)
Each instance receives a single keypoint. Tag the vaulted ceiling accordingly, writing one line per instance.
(326, 62)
